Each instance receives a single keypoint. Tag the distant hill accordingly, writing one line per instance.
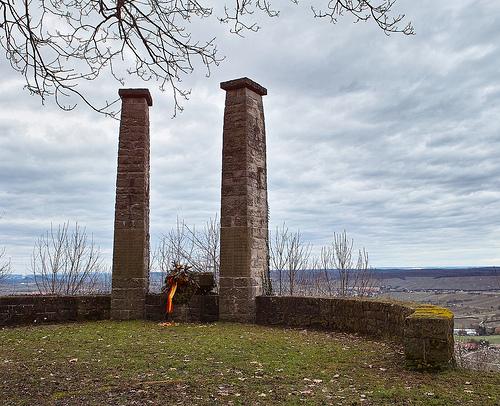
(389, 273)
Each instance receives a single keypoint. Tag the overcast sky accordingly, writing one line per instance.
(394, 139)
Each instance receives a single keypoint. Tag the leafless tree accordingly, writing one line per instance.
(342, 260)
(298, 254)
(364, 280)
(5, 268)
(175, 246)
(279, 255)
(333, 272)
(290, 258)
(206, 242)
(355, 278)
(323, 266)
(197, 247)
(66, 261)
(59, 44)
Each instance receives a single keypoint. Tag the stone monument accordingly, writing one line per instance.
(244, 210)
(130, 276)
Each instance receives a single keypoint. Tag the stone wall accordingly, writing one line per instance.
(368, 317)
(426, 331)
(18, 310)
(200, 308)
(37, 309)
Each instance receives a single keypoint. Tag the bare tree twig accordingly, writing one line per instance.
(5, 265)
(66, 261)
(58, 45)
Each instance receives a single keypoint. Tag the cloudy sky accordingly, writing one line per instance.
(394, 139)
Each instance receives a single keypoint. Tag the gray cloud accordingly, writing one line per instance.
(394, 139)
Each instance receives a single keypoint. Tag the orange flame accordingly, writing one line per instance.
(171, 293)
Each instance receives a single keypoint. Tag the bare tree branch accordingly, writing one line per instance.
(66, 261)
(58, 45)
(5, 268)
(198, 248)
(332, 273)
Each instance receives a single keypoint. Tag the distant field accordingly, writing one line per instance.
(494, 339)
(466, 283)
(491, 339)
(469, 308)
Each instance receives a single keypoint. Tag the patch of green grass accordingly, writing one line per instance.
(109, 363)
(493, 339)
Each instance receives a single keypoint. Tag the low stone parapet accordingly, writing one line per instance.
(38, 309)
(426, 332)
(34, 309)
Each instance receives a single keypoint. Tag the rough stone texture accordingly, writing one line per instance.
(36, 309)
(244, 229)
(426, 332)
(199, 309)
(370, 317)
(428, 338)
(19, 310)
(131, 229)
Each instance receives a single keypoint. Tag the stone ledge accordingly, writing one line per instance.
(242, 83)
(136, 94)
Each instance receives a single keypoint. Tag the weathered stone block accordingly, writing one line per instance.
(428, 338)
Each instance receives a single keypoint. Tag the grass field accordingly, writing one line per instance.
(494, 339)
(110, 363)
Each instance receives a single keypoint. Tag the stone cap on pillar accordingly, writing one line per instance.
(241, 83)
(136, 93)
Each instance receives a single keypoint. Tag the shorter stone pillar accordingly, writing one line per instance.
(428, 338)
(130, 276)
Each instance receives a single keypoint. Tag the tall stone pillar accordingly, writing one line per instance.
(131, 234)
(244, 231)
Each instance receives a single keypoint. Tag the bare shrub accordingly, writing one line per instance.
(279, 255)
(206, 243)
(322, 266)
(66, 261)
(335, 271)
(188, 245)
(5, 267)
(290, 258)
(355, 278)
